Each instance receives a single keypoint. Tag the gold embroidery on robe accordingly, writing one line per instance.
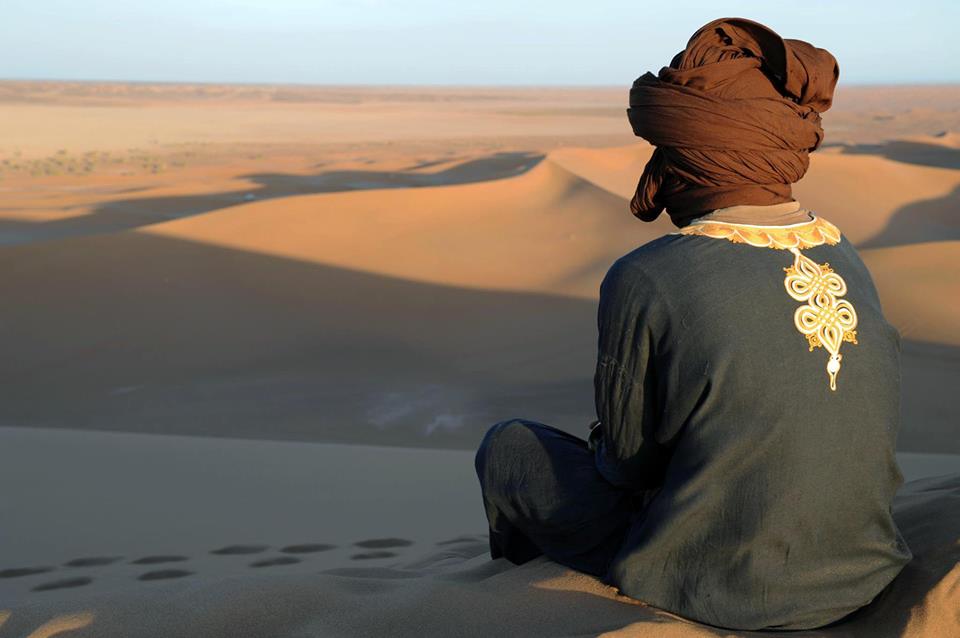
(803, 235)
(824, 319)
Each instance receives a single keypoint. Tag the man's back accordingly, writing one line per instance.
(769, 414)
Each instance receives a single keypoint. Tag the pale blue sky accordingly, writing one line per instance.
(606, 42)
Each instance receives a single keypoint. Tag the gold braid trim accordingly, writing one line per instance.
(804, 235)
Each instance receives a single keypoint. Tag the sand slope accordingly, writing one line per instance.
(210, 537)
(910, 197)
(184, 337)
(920, 288)
(459, 591)
(545, 230)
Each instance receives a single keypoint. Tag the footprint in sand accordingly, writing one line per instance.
(164, 574)
(93, 561)
(18, 572)
(382, 543)
(469, 538)
(64, 584)
(239, 550)
(278, 560)
(308, 548)
(379, 544)
(371, 555)
(156, 560)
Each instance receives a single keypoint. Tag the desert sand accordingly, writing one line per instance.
(252, 335)
(159, 535)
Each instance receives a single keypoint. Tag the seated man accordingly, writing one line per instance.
(741, 469)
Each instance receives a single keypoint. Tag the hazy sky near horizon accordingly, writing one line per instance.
(601, 42)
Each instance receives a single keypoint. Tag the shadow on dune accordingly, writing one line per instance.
(136, 212)
(919, 222)
(907, 152)
(496, 166)
(136, 332)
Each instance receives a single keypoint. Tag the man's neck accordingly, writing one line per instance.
(773, 215)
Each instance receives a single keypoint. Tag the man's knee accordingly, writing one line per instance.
(499, 440)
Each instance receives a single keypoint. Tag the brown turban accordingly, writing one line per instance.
(733, 118)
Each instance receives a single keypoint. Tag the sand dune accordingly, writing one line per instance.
(185, 337)
(614, 169)
(446, 222)
(73, 206)
(546, 230)
(907, 202)
(400, 302)
(920, 288)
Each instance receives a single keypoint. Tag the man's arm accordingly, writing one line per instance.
(625, 448)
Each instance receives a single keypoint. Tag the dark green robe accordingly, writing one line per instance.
(773, 495)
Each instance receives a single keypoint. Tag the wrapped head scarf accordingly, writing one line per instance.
(733, 119)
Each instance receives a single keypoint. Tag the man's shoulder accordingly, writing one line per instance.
(647, 260)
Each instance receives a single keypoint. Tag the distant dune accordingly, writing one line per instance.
(920, 288)
(546, 230)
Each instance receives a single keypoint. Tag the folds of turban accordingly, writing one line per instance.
(732, 118)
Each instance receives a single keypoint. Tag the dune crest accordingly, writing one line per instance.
(545, 230)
